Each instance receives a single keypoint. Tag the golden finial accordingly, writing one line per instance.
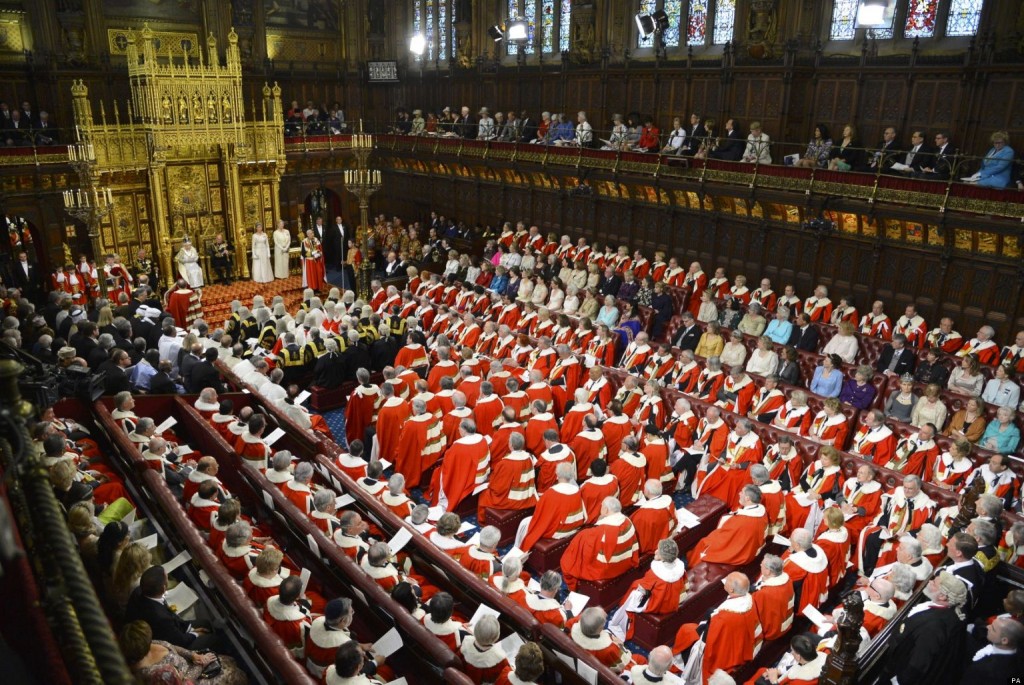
(211, 40)
(147, 33)
(266, 90)
(79, 89)
(277, 90)
(232, 37)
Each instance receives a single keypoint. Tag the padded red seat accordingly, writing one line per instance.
(507, 521)
(546, 555)
(323, 399)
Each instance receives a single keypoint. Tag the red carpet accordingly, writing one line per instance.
(217, 298)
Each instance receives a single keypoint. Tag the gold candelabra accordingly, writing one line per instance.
(363, 182)
(89, 204)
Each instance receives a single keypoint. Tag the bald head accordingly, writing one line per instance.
(737, 584)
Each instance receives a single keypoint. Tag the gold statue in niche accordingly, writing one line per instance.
(197, 109)
(225, 109)
(165, 109)
(211, 108)
(182, 110)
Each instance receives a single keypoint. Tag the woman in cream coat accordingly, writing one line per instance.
(282, 243)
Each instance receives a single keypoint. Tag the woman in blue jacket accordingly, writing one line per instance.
(997, 166)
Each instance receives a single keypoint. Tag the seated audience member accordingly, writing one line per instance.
(146, 604)
(899, 406)
(997, 165)
(730, 636)
(859, 391)
(773, 597)
(483, 657)
(758, 150)
(828, 377)
(739, 536)
(155, 662)
(1001, 435)
(1002, 391)
(801, 665)
(607, 550)
(438, 620)
(966, 378)
(968, 423)
(806, 564)
(929, 409)
(660, 591)
(590, 635)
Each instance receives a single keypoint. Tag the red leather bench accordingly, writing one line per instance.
(507, 521)
(323, 399)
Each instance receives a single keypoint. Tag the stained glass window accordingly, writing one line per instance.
(434, 20)
(921, 19)
(547, 19)
(547, 26)
(844, 14)
(428, 31)
(442, 34)
(697, 24)
(964, 16)
(564, 25)
(725, 21)
(417, 22)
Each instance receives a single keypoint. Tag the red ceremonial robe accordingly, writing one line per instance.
(511, 485)
(465, 466)
(737, 541)
(654, 521)
(548, 462)
(361, 410)
(594, 490)
(630, 469)
(665, 587)
(733, 636)
(774, 600)
(607, 550)
(615, 428)
(588, 445)
(809, 575)
(559, 514)
(391, 417)
(535, 427)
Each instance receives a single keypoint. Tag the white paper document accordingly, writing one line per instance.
(176, 561)
(273, 437)
(586, 672)
(268, 498)
(511, 645)
(466, 527)
(183, 450)
(434, 513)
(304, 576)
(388, 644)
(129, 518)
(400, 540)
(313, 547)
(513, 553)
(167, 424)
(181, 598)
(578, 602)
(686, 518)
(815, 616)
(533, 585)
(302, 397)
(343, 501)
(481, 611)
(150, 541)
(780, 540)
(475, 540)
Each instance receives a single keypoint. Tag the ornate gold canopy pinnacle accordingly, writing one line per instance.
(79, 89)
(276, 90)
(266, 90)
(232, 37)
(147, 33)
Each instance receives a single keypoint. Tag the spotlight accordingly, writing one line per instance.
(517, 30)
(645, 24)
(660, 21)
(496, 33)
(417, 44)
(874, 14)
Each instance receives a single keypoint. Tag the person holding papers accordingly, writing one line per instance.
(481, 559)
(529, 667)
(329, 632)
(438, 621)
(660, 591)
(820, 481)
(265, 578)
(607, 550)
(349, 668)
(147, 603)
(740, 535)
(543, 603)
(288, 615)
(589, 634)
(250, 445)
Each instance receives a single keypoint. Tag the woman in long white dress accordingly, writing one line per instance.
(188, 264)
(262, 269)
(282, 243)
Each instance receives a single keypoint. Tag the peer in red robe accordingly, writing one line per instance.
(487, 411)
(630, 469)
(727, 473)
(773, 596)
(660, 591)
(588, 445)
(511, 485)
(465, 467)
(559, 514)
(502, 434)
(655, 518)
(732, 636)
(392, 415)
(739, 536)
(183, 304)
(554, 453)
(808, 569)
(361, 410)
(540, 422)
(444, 368)
(607, 550)
(615, 428)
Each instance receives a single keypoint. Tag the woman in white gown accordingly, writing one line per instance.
(188, 264)
(262, 269)
(282, 243)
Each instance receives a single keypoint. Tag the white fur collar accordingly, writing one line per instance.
(670, 573)
(282, 612)
(259, 581)
(815, 564)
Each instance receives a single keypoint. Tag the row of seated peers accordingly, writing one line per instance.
(818, 474)
(347, 529)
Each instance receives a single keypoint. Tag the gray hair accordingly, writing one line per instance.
(984, 531)
(759, 474)
(322, 500)
(801, 539)
(668, 550)
(238, 534)
(565, 471)
(304, 472)
(282, 461)
(773, 564)
(551, 581)
(396, 484)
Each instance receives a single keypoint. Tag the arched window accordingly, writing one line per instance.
(548, 25)
(434, 20)
(920, 18)
(703, 18)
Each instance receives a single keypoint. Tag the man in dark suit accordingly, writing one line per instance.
(731, 145)
(189, 360)
(940, 167)
(340, 238)
(805, 335)
(689, 333)
(356, 356)
(84, 341)
(25, 275)
(928, 646)
(609, 284)
(695, 136)
(204, 374)
(997, 661)
(116, 379)
(919, 155)
(962, 548)
(326, 244)
(886, 155)
(465, 125)
(161, 383)
(45, 130)
(896, 359)
(146, 603)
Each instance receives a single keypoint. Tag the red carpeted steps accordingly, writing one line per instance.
(217, 298)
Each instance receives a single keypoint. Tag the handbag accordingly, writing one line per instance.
(212, 669)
